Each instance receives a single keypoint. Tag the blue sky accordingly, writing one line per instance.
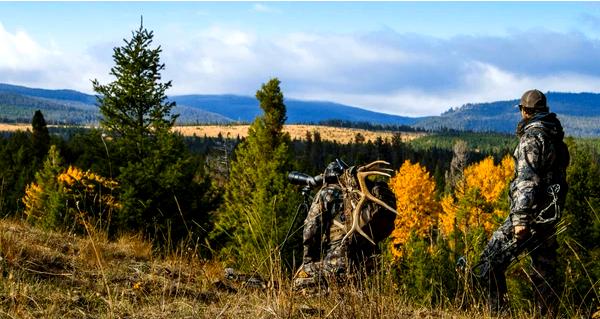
(406, 58)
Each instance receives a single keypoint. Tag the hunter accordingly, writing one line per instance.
(331, 250)
(537, 193)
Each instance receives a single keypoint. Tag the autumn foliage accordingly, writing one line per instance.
(59, 194)
(417, 208)
(478, 199)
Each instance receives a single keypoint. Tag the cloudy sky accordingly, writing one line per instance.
(395, 57)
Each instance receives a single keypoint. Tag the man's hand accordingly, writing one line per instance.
(521, 231)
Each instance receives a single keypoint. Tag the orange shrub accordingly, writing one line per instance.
(414, 188)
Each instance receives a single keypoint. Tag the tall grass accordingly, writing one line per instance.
(48, 274)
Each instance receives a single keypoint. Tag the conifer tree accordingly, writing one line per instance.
(44, 203)
(135, 105)
(161, 189)
(579, 249)
(40, 136)
(258, 199)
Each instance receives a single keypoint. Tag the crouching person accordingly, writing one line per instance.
(347, 218)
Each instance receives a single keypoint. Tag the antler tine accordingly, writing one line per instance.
(365, 190)
(355, 221)
(380, 202)
(368, 173)
(372, 164)
(362, 173)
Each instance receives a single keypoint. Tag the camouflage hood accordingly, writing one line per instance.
(547, 122)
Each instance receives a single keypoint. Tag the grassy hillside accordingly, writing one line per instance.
(297, 131)
(58, 275)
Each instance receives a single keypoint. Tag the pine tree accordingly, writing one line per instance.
(579, 249)
(17, 170)
(161, 188)
(40, 136)
(135, 105)
(258, 198)
(44, 201)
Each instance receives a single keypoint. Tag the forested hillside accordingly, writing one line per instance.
(579, 114)
(71, 107)
(245, 109)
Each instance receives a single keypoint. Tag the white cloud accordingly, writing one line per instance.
(486, 84)
(382, 71)
(24, 61)
(19, 51)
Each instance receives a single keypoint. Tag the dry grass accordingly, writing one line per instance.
(328, 133)
(297, 131)
(58, 275)
(5, 127)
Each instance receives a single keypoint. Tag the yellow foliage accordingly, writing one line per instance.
(33, 200)
(79, 187)
(491, 180)
(83, 185)
(477, 198)
(448, 215)
(88, 179)
(414, 189)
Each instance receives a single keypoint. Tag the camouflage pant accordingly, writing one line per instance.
(541, 246)
(324, 255)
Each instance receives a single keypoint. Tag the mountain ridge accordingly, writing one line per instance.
(579, 112)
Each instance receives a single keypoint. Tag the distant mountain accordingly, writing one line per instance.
(578, 112)
(18, 103)
(64, 95)
(16, 107)
(245, 109)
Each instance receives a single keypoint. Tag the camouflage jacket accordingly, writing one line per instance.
(541, 159)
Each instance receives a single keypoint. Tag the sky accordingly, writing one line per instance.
(404, 58)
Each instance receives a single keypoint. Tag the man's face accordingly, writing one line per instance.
(524, 115)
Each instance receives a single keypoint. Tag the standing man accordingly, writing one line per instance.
(537, 193)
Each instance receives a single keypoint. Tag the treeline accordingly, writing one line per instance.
(209, 161)
(370, 126)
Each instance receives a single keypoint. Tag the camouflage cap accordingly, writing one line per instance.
(533, 99)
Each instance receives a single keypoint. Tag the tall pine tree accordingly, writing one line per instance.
(259, 200)
(40, 137)
(135, 105)
(161, 187)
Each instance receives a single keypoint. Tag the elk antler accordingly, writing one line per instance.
(362, 173)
